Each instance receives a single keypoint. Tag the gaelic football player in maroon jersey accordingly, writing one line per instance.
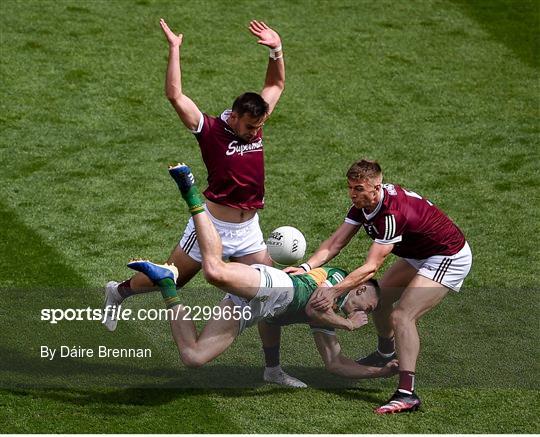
(232, 150)
(434, 258)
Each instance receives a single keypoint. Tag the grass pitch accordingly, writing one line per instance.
(443, 93)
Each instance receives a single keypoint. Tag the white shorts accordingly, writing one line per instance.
(238, 239)
(275, 293)
(448, 270)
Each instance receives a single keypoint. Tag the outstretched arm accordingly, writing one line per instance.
(185, 107)
(275, 73)
(329, 248)
(337, 363)
(323, 298)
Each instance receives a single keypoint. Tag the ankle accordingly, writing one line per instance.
(406, 381)
(271, 356)
(274, 369)
(386, 346)
(169, 293)
(124, 290)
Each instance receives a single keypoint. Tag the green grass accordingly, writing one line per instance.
(445, 94)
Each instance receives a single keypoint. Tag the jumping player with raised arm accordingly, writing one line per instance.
(266, 292)
(232, 150)
(434, 257)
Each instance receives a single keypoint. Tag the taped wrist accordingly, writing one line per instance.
(276, 53)
(305, 266)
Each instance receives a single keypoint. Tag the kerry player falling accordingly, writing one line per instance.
(232, 150)
(269, 293)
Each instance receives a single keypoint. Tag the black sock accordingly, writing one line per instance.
(271, 356)
(386, 345)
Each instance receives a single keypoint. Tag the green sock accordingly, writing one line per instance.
(194, 200)
(168, 291)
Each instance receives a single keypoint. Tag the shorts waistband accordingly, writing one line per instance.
(230, 225)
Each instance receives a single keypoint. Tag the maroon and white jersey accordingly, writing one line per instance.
(416, 227)
(235, 168)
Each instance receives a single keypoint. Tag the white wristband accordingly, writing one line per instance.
(276, 53)
(305, 266)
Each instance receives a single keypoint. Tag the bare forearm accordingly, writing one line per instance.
(274, 83)
(331, 319)
(356, 278)
(323, 254)
(350, 369)
(335, 362)
(333, 245)
(173, 80)
(275, 73)
(376, 255)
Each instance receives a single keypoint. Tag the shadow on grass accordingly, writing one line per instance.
(87, 383)
(514, 24)
(48, 266)
(157, 396)
(19, 371)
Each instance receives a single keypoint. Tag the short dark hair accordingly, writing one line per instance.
(252, 104)
(364, 169)
(375, 284)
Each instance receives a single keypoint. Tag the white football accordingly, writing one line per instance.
(286, 245)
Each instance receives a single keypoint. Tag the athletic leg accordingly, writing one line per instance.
(140, 283)
(419, 297)
(233, 277)
(270, 335)
(236, 278)
(392, 285)
(187, 268)
(216, 336)
(195, 350)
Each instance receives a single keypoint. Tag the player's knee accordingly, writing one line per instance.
(399, 317)
(214, 271)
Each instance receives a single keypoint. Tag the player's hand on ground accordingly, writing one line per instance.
(173, 39)
(294, 270)
(267, 36)
(323, 299)
(359, 319)
(391, 368)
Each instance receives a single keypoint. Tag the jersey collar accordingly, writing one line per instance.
(225, 118)
(377, 209)
(225, 115)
